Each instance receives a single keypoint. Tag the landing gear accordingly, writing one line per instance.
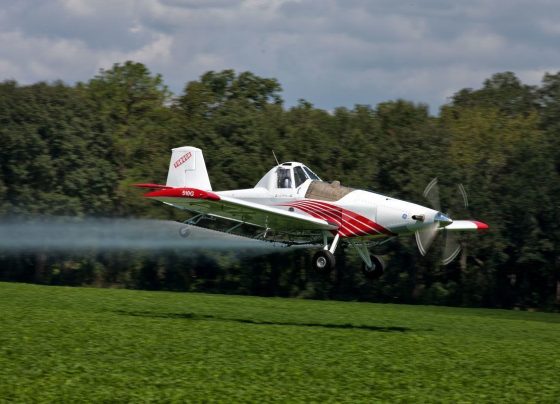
(184, 232)
(373, 266)
(324, 261)
(376, 269)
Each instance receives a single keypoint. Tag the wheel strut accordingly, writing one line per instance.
(334, 243)
(324, 259)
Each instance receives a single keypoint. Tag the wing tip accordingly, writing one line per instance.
(480, 226)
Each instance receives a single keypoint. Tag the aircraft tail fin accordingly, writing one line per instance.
(188, 169)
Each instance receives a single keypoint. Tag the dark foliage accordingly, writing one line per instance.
(75, 150)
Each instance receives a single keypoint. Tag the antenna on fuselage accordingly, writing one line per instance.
(274, 154)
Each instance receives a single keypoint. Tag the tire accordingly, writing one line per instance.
(184, 232)
(376, 270)
(323, 261)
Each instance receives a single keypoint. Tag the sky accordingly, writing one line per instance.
(331, 53)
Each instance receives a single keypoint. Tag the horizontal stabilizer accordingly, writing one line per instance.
(192, 193)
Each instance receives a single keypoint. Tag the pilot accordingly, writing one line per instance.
(284, 180)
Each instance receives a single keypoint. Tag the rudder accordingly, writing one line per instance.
(188, 169)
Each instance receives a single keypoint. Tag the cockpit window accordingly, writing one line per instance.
(299, 176)
(311, 174)
(284, 178)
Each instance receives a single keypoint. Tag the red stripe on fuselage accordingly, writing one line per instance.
(353, 217)
(356, 219)
(351, 223)
(321, 214)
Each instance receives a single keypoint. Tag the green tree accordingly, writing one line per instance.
(496, 151)
(549, 97)
(51, 155)
(503, 91)
(132, 108)
(226, 114)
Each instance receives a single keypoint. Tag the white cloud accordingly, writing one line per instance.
(79, 7)
(38, 59)
(550, 27)
(333, 52)
(157, 51)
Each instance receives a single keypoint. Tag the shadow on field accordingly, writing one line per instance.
(209, 317)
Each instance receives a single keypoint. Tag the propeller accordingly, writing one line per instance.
(426, 236)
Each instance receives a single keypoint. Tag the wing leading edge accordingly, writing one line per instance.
(466, 225)
(210, 203)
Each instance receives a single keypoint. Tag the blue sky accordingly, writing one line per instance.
(331, 53)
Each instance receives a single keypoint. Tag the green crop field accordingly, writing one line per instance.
(80, 344)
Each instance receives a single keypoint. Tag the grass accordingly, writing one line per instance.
(80, 344)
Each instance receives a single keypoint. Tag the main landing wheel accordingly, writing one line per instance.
(323, 261)
(377, 268)
(184, 232)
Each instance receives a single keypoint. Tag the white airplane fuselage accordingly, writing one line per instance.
(359, 213)
(292, 201)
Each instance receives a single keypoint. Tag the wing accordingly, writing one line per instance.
(268, 217)
(466, 225)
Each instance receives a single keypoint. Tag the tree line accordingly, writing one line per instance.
(75, 150)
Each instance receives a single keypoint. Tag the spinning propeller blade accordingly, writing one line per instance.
(424, 238)
(451, 249)
(431, 193)
(464, 195)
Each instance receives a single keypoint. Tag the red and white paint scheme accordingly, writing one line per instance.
(291, 204)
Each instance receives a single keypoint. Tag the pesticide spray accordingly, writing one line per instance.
(73, 235)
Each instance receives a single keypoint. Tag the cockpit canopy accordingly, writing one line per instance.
(287, 175)
(292, 175)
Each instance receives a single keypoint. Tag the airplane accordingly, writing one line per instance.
(292, 205)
